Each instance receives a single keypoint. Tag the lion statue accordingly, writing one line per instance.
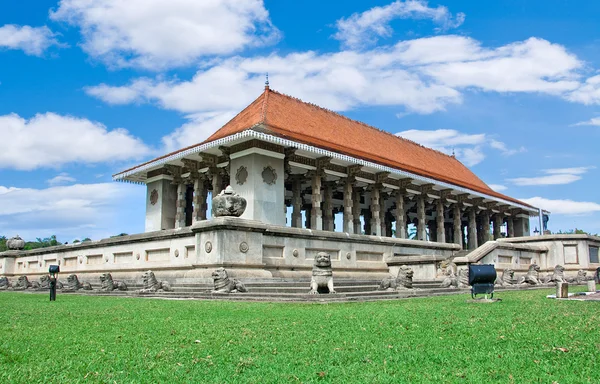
(44, 283)
(581, 277)
(451, 279)
(402, 281)
(322, 275)
(107, 283)
(22, 283)
(4, 283)
(463, 278)
(532, 277)
(507, 279)
(151, 284)
(224, 284)
(558, 276)
(73, 284)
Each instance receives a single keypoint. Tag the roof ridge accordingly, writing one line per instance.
(263, 116)
(363, 124)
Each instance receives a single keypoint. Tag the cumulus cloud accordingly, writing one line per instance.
(51, 140)
(468, 148)
(422, 75)
(198, 129)
(593, 121)
(70, 212)
(62, 178)
(554, 176)
(159, 34)
(498, 187)
(32, 40)
(563, 207)
(361, 29)
(588, 93)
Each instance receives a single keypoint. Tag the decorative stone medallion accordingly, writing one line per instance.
(208, 247)
(137, 256)
(244, 247)
(348, 255)
(241, 176)
(268, 175)
(154, 197)
(295, 253)
(177, 253)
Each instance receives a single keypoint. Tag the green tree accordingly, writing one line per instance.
(3, 246)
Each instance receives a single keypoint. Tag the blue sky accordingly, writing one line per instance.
(90, 88)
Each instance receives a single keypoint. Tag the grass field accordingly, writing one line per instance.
(526, 338)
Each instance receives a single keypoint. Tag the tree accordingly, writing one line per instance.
(3, 246)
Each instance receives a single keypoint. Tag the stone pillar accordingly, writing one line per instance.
(521, 225)
(316, 214)
(421, 223)
(400, 216)
(375, 228)
(217, 181)
(356, 210)
(472, 243)
(297, 201)
(328, 207)
(497, 226)
(485, 225)
(180, 204)
(348, 225)
(458, 234)
(382, 212)
(199, 201)
(440, 220)
(510, 227)
(307, 213)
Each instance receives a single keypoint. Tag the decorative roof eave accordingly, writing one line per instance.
(250, 133)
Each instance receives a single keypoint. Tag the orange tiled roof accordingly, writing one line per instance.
(291, 118)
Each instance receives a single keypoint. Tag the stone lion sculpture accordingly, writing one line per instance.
(224, 284)
(73, 284)
(4, 283)
(322, 274)
(507, 278)
(463, 278)
(451, 280)
(558, 276)
(44, 283)
(22, 283)
(107, 283)
(402, 281)
(581, 277)
(151, 284)
(532, 277)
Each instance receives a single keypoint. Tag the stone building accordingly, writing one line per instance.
(281, 153)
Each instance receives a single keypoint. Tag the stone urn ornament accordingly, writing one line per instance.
(228, 203)
(15, 244)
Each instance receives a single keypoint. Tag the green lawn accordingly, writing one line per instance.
(526, 338)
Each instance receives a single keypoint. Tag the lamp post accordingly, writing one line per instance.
(54, 270)
(536, 231)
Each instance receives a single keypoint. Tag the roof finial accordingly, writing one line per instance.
(453, 153)
(267, 81)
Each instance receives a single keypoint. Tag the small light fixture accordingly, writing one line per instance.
(536, 231)
(53, 271)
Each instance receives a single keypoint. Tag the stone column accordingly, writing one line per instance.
(297, 201)
(421, 223)
(472, 240)
(375, 211)
(180, 215)
(458, 234)
(199, 201)
(497, 226)
(441, 233)
(382, 212)
(348, 216)
(328, 207)
(400, 216)
(307, 213)
(316, 214)
(356, 210)
(217, 181)
(510, 227)
(485, 224)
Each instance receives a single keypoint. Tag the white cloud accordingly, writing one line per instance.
(361, 29)
(73, 211)
(158, 34)
(468, 148)
(62, 178)
(588, 93)
(32, 40)
(498, 187)
(554, 176)
(563, 207)
(504, 149)
(198, 129)
(413, 74)
(593, 121)
(51, 140)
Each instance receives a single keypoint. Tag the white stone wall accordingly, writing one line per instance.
(161, 215)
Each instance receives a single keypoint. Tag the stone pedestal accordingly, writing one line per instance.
(591, 286)
(562, 290)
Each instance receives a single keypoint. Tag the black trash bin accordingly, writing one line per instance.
(481, 279)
